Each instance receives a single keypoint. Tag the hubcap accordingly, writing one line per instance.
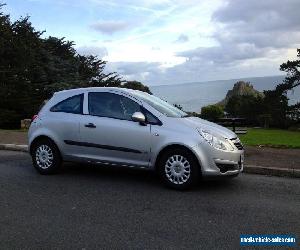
(44, 156)
(177, 169)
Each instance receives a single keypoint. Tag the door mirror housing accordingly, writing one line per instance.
(138, 117)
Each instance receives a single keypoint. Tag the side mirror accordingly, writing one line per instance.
(138, 117)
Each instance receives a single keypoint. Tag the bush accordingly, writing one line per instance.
(295, 127)
(137, 86)
(248, 106)
(9, 119)
(212, 112)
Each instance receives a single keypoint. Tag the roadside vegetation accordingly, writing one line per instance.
(278, 138)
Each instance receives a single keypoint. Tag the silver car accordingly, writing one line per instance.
(130, 128)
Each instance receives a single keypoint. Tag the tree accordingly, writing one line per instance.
(276, 105)
(32, 68)
(137, 86)
(212, 112)
(20, 46)
(292, 79)
(276, 101)
(245, 106)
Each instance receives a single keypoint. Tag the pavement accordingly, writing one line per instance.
(273, 157)
(14, 147)
(18, 137)
(95, 207)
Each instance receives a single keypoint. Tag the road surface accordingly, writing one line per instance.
(93, 207)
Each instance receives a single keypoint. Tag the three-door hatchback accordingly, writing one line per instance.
(130, 128)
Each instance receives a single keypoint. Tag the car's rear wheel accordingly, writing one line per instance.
(179, 169)
(45, 156)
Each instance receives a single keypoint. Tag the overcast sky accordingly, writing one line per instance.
(169, 41)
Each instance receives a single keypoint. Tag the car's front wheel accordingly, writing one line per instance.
(45, 156)
(179, 169)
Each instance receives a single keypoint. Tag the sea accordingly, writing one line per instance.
(192, 96)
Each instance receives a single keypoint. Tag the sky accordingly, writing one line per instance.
(173, 41)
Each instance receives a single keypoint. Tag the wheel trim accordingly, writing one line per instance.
(44, 156)
(177, 169)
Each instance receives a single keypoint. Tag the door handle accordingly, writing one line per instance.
(90, 125)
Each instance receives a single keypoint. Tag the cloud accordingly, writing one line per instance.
(155, 48)
(261, 15)
(249, 38)
(182, 39)
(140, 71)
(252, 39)
(110, 27)
(228, 53)
(251, 29)
(92, 50)
(148, 6)
(134, 68)
(265, 23)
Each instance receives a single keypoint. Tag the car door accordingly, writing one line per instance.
(64, 121)
(109, 134)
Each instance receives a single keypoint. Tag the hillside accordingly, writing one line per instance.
(241, 88)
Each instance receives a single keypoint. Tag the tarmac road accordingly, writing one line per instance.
(93, 207)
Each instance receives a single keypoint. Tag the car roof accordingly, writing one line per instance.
(71, 92)
(88, 89)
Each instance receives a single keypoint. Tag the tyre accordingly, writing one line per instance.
(46, 156)
(179, 169)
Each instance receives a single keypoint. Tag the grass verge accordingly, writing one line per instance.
(271, 138)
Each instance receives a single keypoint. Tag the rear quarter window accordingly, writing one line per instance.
(73, 104)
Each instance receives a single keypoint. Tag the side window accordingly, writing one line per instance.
(112, 105)
(129, 107)
(70, 105)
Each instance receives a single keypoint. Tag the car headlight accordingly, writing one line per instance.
(215, 141)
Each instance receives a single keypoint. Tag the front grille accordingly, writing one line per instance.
(226, 167)
(237, 143)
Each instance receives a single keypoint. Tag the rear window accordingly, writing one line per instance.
(72, 105)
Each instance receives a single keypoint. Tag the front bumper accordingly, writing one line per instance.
(217, 163)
